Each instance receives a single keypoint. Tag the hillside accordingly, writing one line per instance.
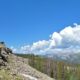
(55, 68)
(13, 67)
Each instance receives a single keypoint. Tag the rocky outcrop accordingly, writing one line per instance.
(4, 53)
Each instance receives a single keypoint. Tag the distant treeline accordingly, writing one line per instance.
(60, 70)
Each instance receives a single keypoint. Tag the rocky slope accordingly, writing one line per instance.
(16, 68)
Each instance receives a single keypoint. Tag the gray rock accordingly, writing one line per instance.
(4, 54)
(2, 63)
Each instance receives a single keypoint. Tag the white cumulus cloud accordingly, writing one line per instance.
(67, 40)
(14, 49)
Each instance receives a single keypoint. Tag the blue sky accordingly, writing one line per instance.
(27, 21)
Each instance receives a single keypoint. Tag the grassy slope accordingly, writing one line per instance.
(6, 75)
